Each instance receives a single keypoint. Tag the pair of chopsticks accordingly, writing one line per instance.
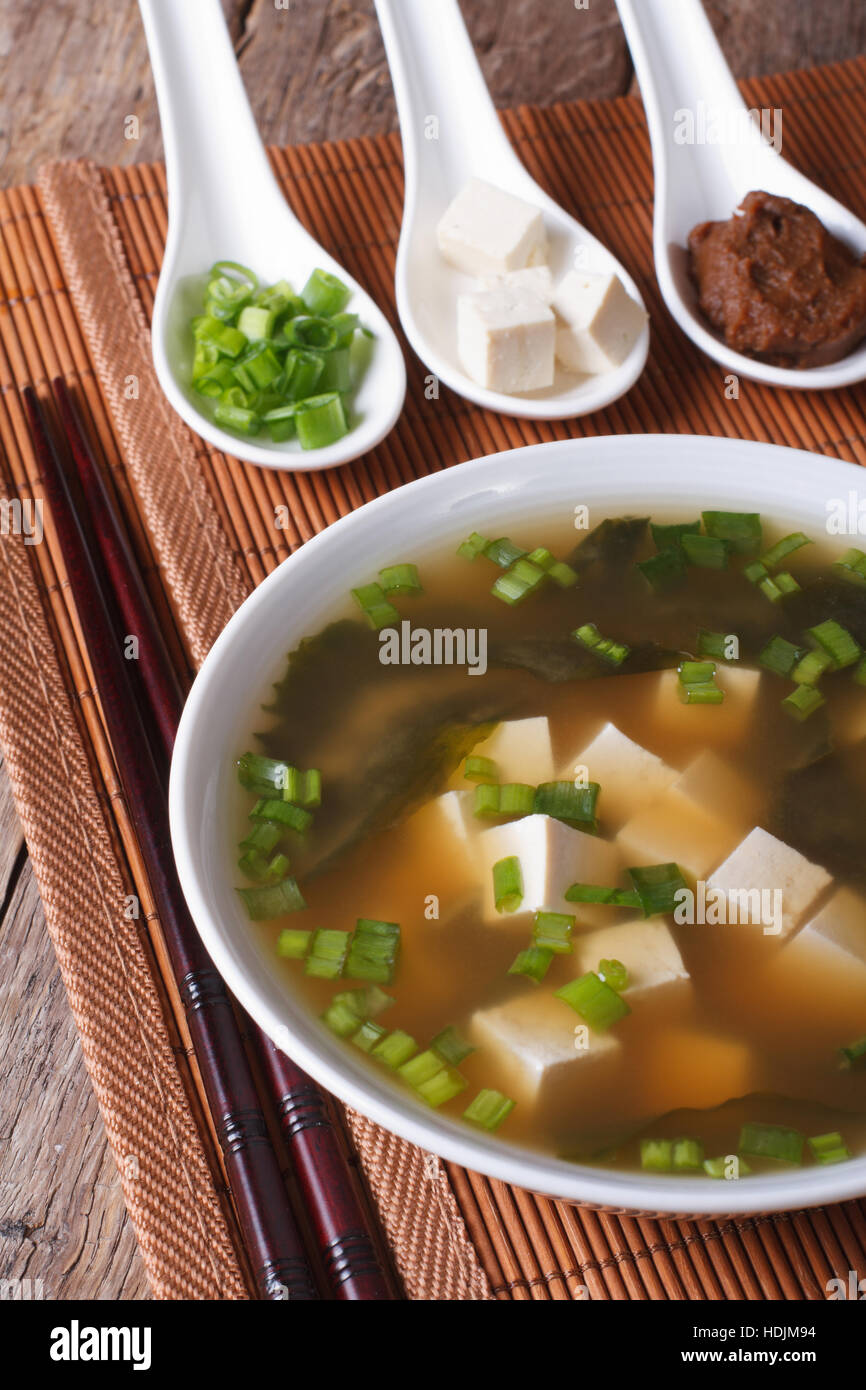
(141, 703)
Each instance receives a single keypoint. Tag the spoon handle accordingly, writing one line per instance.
(212, 144)
(443, 103)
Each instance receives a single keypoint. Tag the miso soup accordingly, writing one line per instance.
(566, 833)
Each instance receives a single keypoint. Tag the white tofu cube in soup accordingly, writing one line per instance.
(530, 1041)
(521, 750)
(486, 231)
(447, 823)
(765, 878)
(598, 322)
(647, 949)
(630, 777)
(710, 782)
(720, 725)
(552, 856)
(674, 829)
(506, 339)
(834, 940)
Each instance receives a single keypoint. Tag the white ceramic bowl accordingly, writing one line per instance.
(611, 475)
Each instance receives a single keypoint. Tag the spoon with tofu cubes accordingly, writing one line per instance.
(506, 298)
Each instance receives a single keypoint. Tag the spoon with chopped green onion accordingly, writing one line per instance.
(276, 355)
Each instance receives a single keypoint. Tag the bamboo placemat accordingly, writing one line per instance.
(79, 261)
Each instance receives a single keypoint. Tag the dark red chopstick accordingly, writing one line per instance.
(270, 1234)
(347, 1245)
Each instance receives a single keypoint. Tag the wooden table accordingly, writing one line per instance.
(70, 74)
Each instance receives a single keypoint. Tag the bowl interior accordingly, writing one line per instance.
(619, 474)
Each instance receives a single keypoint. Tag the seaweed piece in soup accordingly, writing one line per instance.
(820, 810)
(614, 543)
(554, 660)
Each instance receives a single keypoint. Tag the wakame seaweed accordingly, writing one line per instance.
(554, 660)
(614, 543)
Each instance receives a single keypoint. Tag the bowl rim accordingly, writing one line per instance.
(657, 461)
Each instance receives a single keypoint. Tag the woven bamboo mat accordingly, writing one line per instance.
(79, 259)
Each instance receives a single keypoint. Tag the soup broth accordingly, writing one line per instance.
(721, 1024)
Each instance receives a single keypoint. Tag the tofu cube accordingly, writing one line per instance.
(760, 868)
(552, 857)
(835, 939)
(710, 782)
(675, 829)
(536, 278)
(506, 339)
(521, 749)
(647, 949)
(599, 323)
(686, 1068)
(530, 1042)
(716, 725)
(631, 777)
(447, 824)
(486, 231)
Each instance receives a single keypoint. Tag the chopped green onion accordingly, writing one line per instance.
(783, 548)
(254, 865)
(516, 799)
(376, 608)
(321, 420)
(665, 569)
(303, 788)
(594, 1000)
(771, 1141)
(552, 930)
(803, 702)
(561, 573)
(589, 636)
(595, 893)
(503, 552)
(422, 1068)
(854, 1055)
(272, 900)
(829, 1148)
(473, 546)
(787, 583)
(488, 1109)
(400, 579)
(657, 1155)
(837, 642)
(346, 326)
(336, 371)
(614, 973)
(444, 1086)
(486, 800)
(534, 962)
(368, 1035)
(713, 644)
(566, 802)
(262, 775)
(451, 1047)
(237, 418)
(707, 552)
(264, 836)
(353, 1007)
(696, 672)
(668, 537)
(742, 530)
(293, 945)
(780, 656)
(687, 1156)
(852, 566)
(395, 1049)
(327, 955)
(507, 884)
(294, 817)
(518, 582)
(256, 322)
(697, 684)
(374, 951)
(303, 373)
(325, 294)
(811, 668)
(480, 770)
(657, 886)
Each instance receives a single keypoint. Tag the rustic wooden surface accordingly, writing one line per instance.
(70, 74)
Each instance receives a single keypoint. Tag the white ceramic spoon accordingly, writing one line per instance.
(441, 93)
(225, 204)
(681, 69)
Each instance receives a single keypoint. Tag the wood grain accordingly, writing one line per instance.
(70, 74)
